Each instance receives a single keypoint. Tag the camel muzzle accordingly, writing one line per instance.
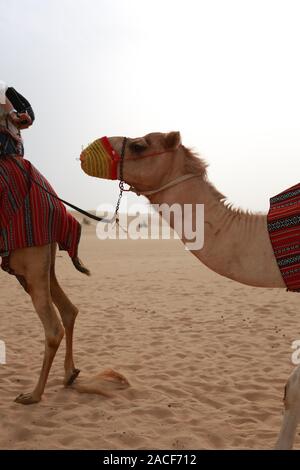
(100, 159)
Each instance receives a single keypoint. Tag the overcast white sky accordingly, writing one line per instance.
(224, 73)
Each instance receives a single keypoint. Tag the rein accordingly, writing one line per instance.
(116, 158)
(78, 209)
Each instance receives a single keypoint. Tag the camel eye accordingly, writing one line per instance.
(137, 147)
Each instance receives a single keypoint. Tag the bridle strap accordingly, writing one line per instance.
(147, 155)
(172, 183)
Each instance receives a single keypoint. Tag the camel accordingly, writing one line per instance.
(32, 222)
(237, 243)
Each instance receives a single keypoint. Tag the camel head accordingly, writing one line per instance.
(149, 161)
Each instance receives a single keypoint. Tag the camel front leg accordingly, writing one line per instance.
(291, 415)
(34, 265)
(53, 336)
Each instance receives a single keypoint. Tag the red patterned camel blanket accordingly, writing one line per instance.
(28, 215)
(284, 231)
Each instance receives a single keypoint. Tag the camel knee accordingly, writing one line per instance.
(54, 337)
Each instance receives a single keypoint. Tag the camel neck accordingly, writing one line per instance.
(236, 244)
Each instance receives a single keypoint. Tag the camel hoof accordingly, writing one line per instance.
(72, 377)
(27, 399)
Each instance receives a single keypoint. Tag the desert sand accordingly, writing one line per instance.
(207, 358)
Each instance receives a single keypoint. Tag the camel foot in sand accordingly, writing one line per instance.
(27, 398)
(69, 379)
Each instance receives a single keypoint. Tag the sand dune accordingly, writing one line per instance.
(206, 358)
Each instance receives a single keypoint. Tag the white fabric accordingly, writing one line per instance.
(4, 122)
(3, 88)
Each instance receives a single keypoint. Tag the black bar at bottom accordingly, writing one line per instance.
(156, 458)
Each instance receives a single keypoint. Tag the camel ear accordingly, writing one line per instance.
(172, 140)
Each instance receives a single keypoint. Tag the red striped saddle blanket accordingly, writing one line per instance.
(284, 231)
(28, 215)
